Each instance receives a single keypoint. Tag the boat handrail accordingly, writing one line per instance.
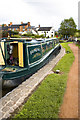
(21, 39)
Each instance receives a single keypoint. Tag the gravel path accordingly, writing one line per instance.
(69, 108)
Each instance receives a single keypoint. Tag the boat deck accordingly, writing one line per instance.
(10, 69)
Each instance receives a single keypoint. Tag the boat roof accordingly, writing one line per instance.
(28, 40)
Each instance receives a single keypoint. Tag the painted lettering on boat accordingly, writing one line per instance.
(34, 50)
(36, 55)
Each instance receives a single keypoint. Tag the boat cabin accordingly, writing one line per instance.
(23, 52)
(11, 53)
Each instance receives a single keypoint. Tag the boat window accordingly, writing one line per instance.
(12, 54)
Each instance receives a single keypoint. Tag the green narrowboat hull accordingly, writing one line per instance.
(15, 78)
(20, 59)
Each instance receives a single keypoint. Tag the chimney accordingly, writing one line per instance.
(21, 22)
(39, 25)
(29, 24)
(10, 23)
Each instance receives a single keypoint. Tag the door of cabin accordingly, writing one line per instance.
(20, 54)
(16, 53)
(2, 54)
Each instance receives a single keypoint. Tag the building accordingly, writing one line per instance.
(16, 27)
(27, 28)
(46, 31)
(32, 30)
(79, 15)
(19, 27)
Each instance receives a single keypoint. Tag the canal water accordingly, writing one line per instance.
(4, 91)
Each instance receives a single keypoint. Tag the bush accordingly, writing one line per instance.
(15, 32)
(27, 34)
(39, 36)
(15, 36)
(5, 34)
(61, 41)
(42, 36)
(33, 36)
(77, 34)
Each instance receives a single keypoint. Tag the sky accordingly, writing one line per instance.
(47, 13)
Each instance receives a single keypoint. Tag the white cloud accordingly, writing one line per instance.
(44, 12)
(15, 10)
(57, 9)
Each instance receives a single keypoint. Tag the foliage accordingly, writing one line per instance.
(4, 33)
(33, 35)
(39, 36)
(15, 36)
(56, 33)
(45, 102)
(67, 27)
(77, 33)
(15, 32)
(61, 41)
(27, 34)
(79, 38)
(42, 36)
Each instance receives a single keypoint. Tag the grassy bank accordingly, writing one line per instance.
(45, 102)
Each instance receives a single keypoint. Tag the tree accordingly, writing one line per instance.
(67, 28)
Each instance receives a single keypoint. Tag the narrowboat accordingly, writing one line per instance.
(20, 58)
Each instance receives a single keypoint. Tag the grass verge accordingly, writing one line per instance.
(45, 102)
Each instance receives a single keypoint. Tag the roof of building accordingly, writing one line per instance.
(14, 26)
(31, 27)
(23, 24)
(17, 25)
(44, 29)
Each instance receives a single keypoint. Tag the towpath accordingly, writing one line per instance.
(70, 107)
